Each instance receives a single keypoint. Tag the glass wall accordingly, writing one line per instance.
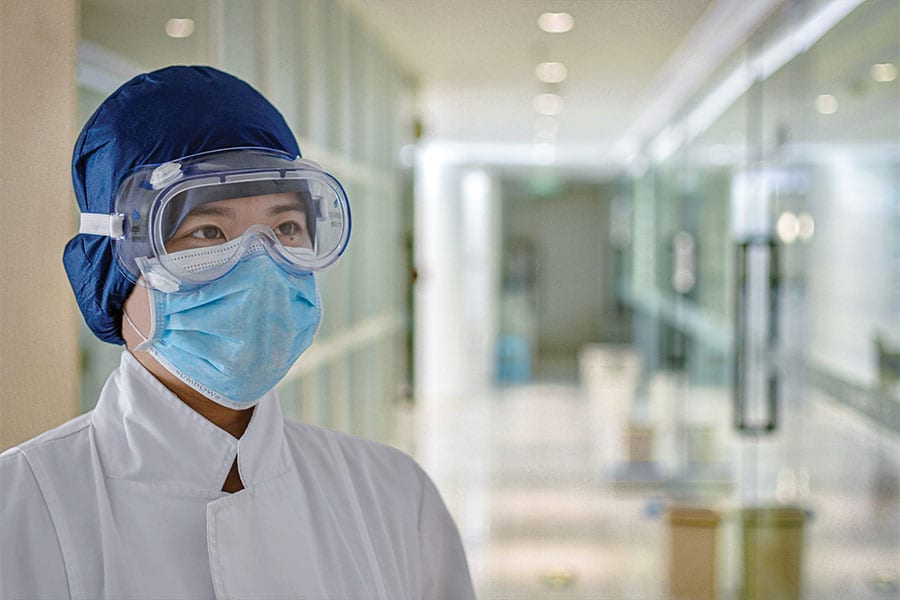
(347, 100)
(764, 274)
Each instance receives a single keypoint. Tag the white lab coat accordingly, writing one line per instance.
(125, 502)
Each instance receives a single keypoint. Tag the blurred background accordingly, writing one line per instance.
(624, 274)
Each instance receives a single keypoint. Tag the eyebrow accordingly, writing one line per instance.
(206, 210)
(283, 208)
(222, 211)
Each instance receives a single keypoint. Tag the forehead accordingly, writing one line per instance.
(246, 205)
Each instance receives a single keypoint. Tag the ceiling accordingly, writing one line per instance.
(630, 64)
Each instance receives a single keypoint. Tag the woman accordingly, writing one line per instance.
(201, 232)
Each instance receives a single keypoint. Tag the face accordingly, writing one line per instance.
(224, 220)
(209, 225)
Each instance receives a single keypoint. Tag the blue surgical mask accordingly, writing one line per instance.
(234, 339)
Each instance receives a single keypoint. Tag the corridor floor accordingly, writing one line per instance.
(522, 471)
(517, 471)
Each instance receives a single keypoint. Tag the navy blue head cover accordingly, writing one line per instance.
(154, 118)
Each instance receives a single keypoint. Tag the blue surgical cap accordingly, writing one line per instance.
(154, 118)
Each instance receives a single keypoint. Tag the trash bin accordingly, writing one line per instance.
(699, 445)
(773, 553)
(513, 359)
(640, 443)
(692, 552)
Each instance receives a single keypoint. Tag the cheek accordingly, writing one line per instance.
(137, 305)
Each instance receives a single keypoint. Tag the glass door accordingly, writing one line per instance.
(766, 282)
(816, 233)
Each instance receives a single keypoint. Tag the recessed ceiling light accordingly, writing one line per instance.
(556, 22)
(883, 72)
(548, 104)
(826, 104)
(807, 226)
(788, 227)
(179, 28)
(551, 72)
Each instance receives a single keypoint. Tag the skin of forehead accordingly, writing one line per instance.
(250, 208)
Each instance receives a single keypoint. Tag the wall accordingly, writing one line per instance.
(457, 250)
(570, 231)
(38, 337)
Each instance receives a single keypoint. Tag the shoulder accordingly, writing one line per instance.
(379, 472)
(55, 444)
(385, 480)
(36, 479)
(49, 466)
(396, 498)
(364, 458)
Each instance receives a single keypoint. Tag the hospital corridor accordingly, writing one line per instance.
(621, 276)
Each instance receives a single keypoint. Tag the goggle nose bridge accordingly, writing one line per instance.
(258, 230)
(259, 238)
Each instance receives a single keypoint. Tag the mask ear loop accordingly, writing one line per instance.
(145, 344)
(144, 339)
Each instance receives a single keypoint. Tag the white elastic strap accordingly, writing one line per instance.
(100, 224)
(133, 326)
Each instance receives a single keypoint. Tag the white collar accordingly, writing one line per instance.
(146, 433)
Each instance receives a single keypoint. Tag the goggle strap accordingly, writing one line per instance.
(99, 224)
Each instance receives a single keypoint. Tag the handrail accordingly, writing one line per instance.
(691, 318)
(872, 402)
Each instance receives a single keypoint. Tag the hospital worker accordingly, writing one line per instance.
(202, 230)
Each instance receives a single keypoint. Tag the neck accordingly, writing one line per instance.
(231, 420)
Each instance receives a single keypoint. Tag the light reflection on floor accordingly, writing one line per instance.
(547, 528)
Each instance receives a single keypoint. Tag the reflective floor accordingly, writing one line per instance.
(518, 471)
(526, 472)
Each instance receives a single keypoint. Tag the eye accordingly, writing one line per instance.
(289, 229)
(207, 232)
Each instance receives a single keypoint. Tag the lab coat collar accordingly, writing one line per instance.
(146, 433)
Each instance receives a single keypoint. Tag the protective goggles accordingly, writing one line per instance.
(185, 223)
